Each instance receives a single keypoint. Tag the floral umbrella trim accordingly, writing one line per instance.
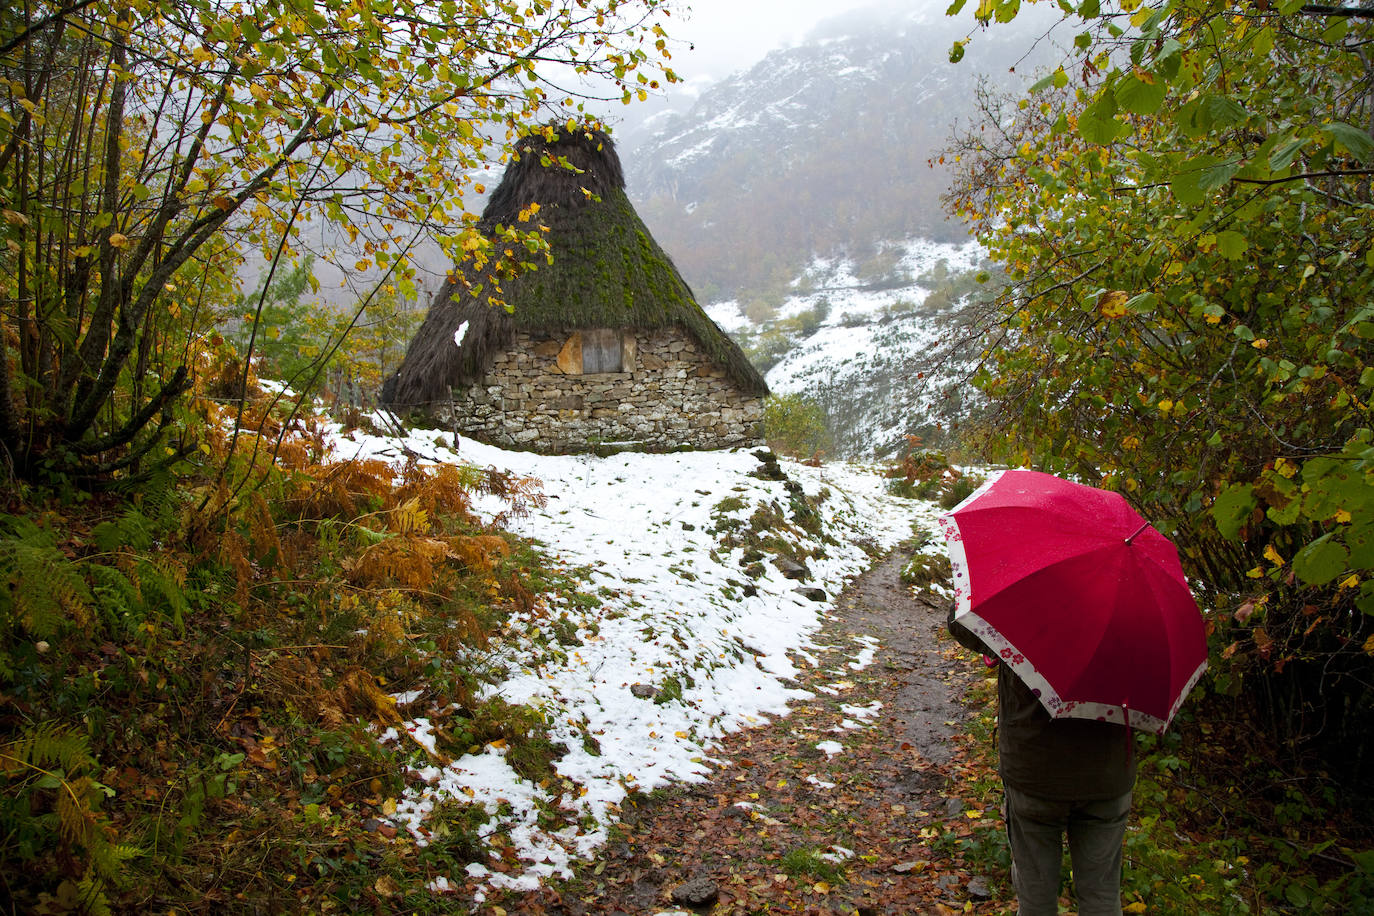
(954, 540)
(1057, 706)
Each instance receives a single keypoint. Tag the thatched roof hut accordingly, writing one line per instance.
(607, 272)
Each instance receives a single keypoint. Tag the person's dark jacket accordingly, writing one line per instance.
(1059, 759)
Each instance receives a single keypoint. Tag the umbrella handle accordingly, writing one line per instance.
(1132, 535)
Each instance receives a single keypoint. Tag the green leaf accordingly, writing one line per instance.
(1142, 303)
(1218, 175)
(1138, 96)
(1360, 540)
(1187, 184)
(1355, 141)
(1098, 124)
(1090, 9)
(1283, 154)
(1058, 79)
(955, 7)
(1218, 112)
(1286, 514)
(1232, 245)
(1321, 561)
(1366, 600)
(956, 53)
(1232, 508)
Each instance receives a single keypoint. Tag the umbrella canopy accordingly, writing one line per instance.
(1076, 592)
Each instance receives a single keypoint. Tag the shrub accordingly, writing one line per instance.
(796, 426)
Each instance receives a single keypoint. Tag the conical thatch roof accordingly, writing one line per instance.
(607, 272)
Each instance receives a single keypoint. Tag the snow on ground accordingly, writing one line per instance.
(681, 646)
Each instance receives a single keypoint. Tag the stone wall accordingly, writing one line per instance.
(668, 396)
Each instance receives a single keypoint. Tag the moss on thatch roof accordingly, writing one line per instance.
(607, 271)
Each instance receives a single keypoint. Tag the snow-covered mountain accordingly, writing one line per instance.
(818, 151)
(885, 359)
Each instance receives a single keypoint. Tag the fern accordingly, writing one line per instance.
(53, 806)
(161, 500)
(161, 581)
(48, 746)
(119, 601)
(131, 531)
(40, 589)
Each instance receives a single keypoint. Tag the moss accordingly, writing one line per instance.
(609, 272)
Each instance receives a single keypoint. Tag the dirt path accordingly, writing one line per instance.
(843, 807)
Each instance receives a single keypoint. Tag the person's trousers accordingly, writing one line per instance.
(1036, 828)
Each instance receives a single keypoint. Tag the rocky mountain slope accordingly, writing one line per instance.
(820, 150)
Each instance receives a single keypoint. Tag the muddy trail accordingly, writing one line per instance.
(865, 799)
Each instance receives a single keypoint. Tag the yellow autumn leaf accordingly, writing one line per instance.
(1369, 646)
(1273, 555)
(1341, 517)
(118, 240)
(821, 887)
(1112, 304)
(1137, 907)
(1166, 405)
(1350, 581)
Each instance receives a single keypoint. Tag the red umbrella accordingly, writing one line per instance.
(1079, 595)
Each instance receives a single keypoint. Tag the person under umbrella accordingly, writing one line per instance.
(1083, 609)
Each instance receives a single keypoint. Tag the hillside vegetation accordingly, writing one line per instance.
(1189, 322)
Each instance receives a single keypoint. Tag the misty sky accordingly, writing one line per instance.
(714, 38)
(730, 35)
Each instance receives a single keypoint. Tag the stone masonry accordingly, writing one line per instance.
(670, 395)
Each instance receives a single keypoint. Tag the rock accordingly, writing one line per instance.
(382, 828)
(643, 691)
(791, 569)
(812, 594)
(978, 888)
(697, 892)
